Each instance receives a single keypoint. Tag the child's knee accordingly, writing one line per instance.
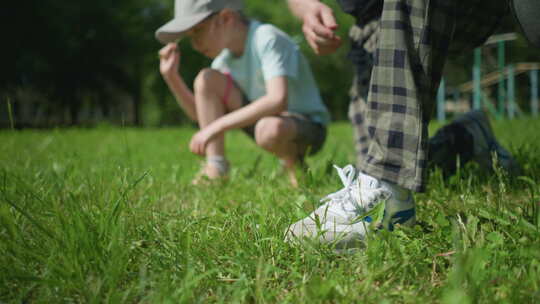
(269, 131)
(207, 80)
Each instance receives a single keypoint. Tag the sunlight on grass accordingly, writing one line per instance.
(109, 215)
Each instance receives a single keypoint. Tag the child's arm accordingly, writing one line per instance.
(169, 61)
(274, 102)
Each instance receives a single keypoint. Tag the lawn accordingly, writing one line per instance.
(109, 215)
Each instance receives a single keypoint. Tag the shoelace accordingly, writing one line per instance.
(350, 189)
(347, 175)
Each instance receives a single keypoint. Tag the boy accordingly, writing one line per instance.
(259, 81)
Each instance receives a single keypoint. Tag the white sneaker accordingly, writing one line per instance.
(342, 219)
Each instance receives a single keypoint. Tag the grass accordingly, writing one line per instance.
(109, 215)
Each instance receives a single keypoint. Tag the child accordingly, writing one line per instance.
(258, 81)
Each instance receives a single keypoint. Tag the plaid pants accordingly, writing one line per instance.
(403, 55)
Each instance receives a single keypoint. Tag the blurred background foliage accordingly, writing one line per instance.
(88, 62)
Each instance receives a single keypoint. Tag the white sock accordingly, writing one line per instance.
(398, 192)
(218, 161)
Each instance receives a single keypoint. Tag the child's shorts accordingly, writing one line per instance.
(310, 134)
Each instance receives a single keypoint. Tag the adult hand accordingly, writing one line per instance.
(199, 141)
(169, 60)
(319, 26)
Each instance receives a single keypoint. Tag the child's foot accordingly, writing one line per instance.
(342, 221)
(215, 168)
(290, 167)
(291, 174)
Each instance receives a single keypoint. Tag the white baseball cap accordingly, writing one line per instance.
(188, 13)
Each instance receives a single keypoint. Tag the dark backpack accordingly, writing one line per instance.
(527, 13)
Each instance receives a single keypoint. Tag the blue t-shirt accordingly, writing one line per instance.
(270, 53)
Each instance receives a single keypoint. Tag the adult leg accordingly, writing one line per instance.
(363, 43)
(414, 41)
(413, 44)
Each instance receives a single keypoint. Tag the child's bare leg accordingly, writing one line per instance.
(275, 134)
(210, 87)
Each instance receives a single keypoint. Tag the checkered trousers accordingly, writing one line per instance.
(412, 40)
(363, 44)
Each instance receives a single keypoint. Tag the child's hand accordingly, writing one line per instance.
(319, 26)
(169, 60)
(200, 140)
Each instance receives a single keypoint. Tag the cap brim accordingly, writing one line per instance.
(175, 29)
